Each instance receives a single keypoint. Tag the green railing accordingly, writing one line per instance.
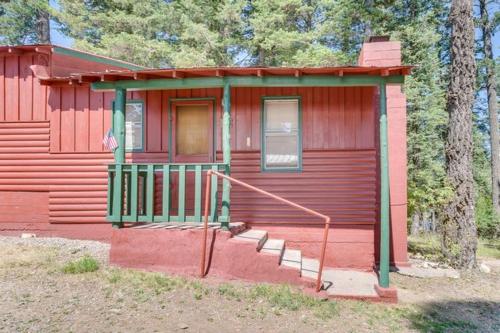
(132, 196)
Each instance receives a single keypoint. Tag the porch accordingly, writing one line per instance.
(143, 192)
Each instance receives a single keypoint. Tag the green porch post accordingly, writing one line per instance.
(226, 152)
(384, 192)
(119, 133)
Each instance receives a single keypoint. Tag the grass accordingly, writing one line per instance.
(279, 297)
(428, 246)
(489, 248)
(86, 264)
(138, 289)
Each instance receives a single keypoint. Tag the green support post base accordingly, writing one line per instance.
(224, 222)
(117, 225)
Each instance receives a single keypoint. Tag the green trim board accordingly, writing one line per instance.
(262, 134)
(143, 139)
(95, 58)
(226, 153)
(384, 191)
(251, 81)
(119, 124)
(214, 120)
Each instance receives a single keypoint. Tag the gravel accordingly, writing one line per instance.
(98, 250)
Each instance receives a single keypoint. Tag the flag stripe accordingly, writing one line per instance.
(109, 141)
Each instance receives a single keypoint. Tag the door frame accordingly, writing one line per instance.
(208, 101)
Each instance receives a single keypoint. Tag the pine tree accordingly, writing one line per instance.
(137, 31)
(486, 28)
(290, 33)
(157, 33)
(25, 22)
(459, 228)
(417, 25)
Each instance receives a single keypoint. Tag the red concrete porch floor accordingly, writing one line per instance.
(240, 253)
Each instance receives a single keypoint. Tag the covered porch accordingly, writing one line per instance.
(133, 194)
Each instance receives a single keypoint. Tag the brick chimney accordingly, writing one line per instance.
(380, 51)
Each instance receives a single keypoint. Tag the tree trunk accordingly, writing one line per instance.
(368, 25)
(434, 226)
(415, 224)
(262, 57)
(43, 27)
(459, 238)
(492, 106)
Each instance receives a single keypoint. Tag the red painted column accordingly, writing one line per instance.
(388, 53)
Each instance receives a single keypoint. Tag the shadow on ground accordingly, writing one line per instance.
(456, 316)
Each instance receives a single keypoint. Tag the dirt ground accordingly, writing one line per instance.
(38, 295)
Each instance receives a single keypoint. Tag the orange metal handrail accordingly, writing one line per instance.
(253, 188)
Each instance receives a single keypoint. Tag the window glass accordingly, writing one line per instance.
(282, 115)
(134, 126)
(281, 134)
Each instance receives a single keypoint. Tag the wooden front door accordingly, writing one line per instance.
(192, 142)
(192, 132)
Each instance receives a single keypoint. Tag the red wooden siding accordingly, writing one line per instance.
(22, 98)
(332, 118)
(339, 160)
(28, 208)
(341, 184)
(73, 182)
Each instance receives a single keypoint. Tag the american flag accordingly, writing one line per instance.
(109, 141)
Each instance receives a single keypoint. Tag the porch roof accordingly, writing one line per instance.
(102, 80)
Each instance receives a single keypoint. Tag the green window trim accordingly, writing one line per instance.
(265, 168)
(131, 101)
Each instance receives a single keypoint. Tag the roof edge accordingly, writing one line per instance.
(94, 57)
(52, 48)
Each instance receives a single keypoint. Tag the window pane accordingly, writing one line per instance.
(282, 115)
(133, 126)
(281, 151)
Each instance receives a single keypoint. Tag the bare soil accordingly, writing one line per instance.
(37, 296)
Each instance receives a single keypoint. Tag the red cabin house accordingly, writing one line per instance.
(330, 139)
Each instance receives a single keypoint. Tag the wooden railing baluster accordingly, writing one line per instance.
(166, 193)
(134, 189)
(150, 190)
(117, 196)
(182, 193)
(197, 193)
(213, 195)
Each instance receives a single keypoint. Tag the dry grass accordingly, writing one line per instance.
(113, 299)
(12, 256)
(429, 246)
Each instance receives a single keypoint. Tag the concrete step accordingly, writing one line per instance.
(310, 268)
(339, 282)
(274, 246)
(253, 235)
(292, 258)
(349, 283)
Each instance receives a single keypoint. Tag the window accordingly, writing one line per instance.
(134, 126)
(281, 134)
